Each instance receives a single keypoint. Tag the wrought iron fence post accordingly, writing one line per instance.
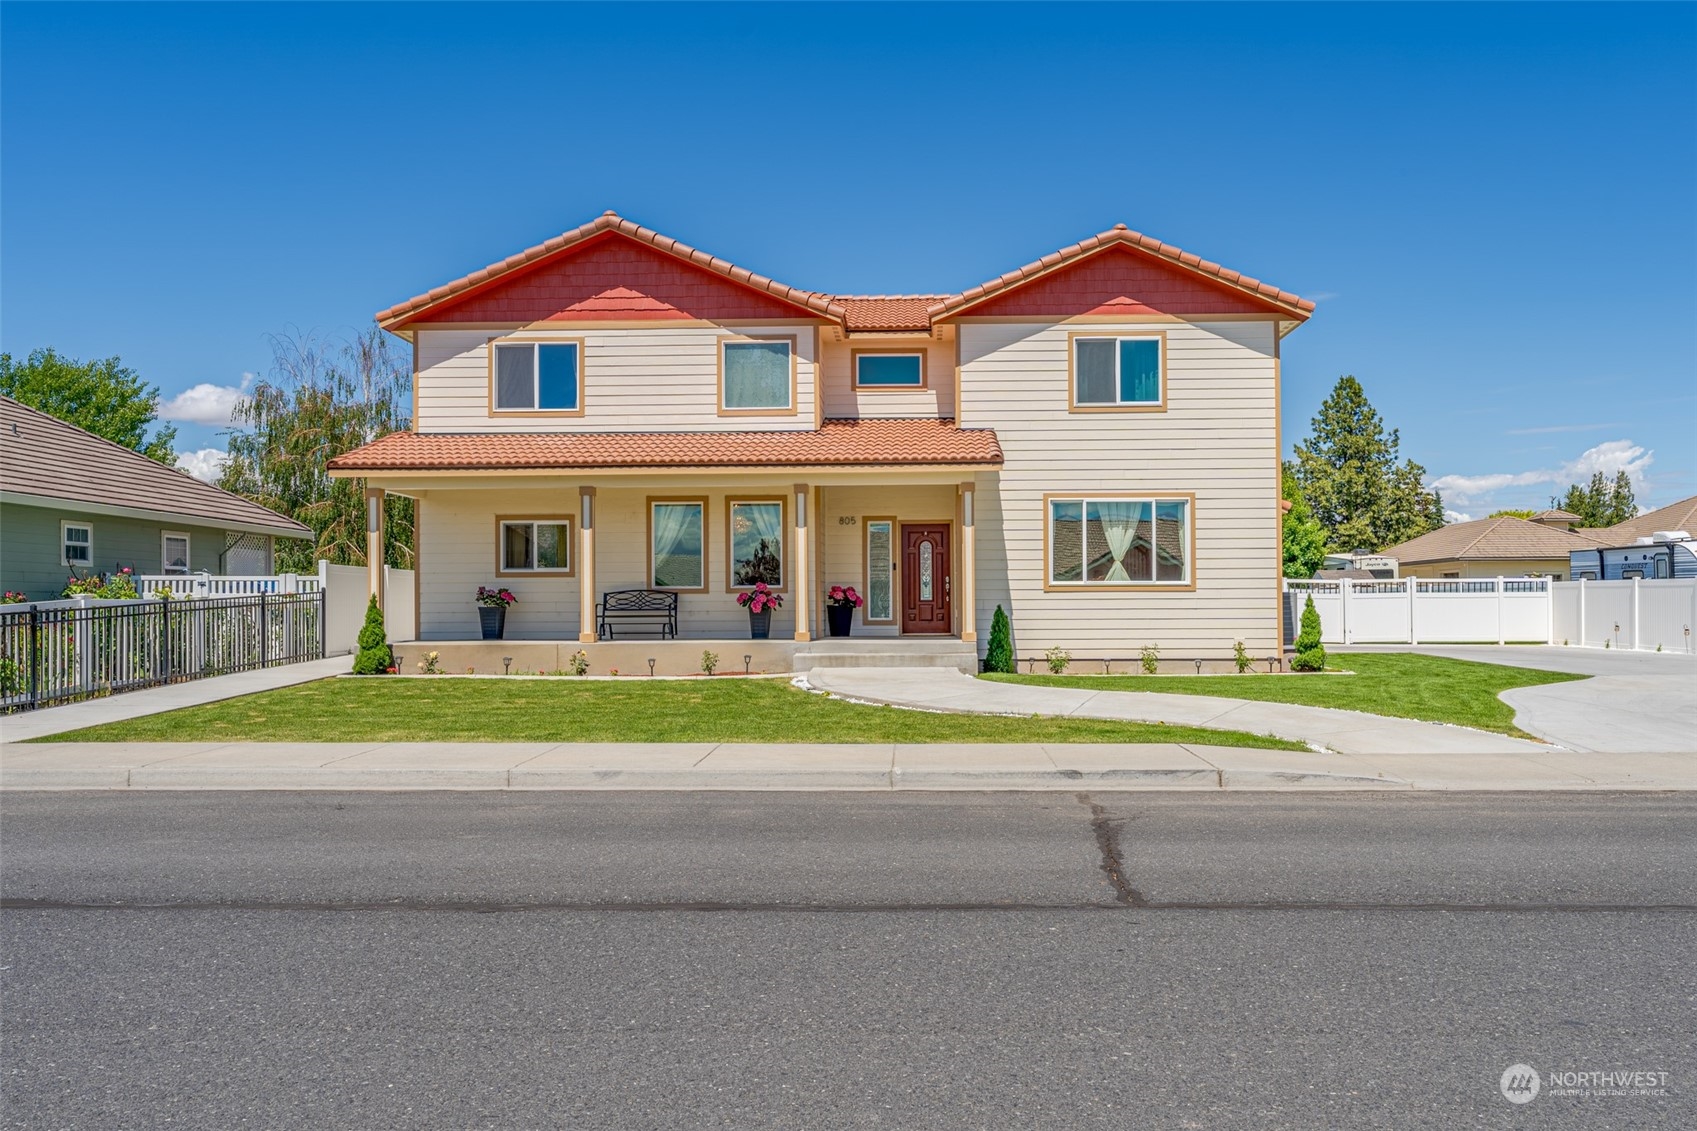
(34, 656)
(165, 641)
(264, 631)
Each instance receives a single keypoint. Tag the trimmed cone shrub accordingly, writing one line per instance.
(998, 655)
(1310, 653)
(374, 657)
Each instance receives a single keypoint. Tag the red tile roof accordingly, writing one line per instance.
(845, 443)
(609, 221)
(1120, 235)
(888, 312)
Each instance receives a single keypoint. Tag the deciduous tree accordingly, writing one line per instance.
(105, 397)
(1304, 539)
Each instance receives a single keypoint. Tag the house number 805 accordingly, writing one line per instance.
(847, 520)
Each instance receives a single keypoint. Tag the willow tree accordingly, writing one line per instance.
(317, 402)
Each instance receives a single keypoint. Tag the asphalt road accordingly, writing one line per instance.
(785, 960)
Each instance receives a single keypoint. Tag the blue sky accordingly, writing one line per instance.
(1493, 205)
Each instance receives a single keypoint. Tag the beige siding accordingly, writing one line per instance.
(650, 379)
(843, 402)
(1527, 567)
(1217, 440)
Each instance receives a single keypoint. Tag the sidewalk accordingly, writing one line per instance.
(707, 766)
(1347, 732)
(26, 725)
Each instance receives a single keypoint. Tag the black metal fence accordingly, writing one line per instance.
(59, 651)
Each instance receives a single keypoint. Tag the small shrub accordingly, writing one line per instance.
(1658, 647)
(374, 657)
(1310, 653)
(1606, 643)
(431, 664)
(1151, 659)
(709, 662)
(1058, 658)
(998, 654)
(580, 662)
(1240, 657)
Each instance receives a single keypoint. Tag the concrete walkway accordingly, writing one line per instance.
(707, 766)
(1347, 732)
(1635, 702)
(134, 704)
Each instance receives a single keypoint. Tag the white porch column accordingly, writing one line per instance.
(586, 565)
(968, 563)
(374, 543)
(803, 587)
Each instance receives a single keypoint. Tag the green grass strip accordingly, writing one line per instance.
(376, 709)
(1401, 685)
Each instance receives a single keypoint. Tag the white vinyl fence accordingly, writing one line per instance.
(1640, 614)
(345, 589)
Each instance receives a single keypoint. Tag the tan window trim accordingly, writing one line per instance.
(730, 551)
(1050, 585)
(924, 370)
(566, 520)
(532, 413)
(706, 541)
(1072, 362)
(795, 389)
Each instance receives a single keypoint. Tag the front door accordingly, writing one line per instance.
(925, 579)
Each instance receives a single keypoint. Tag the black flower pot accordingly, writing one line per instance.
(760, 624)
(841, 618)
(493, 621)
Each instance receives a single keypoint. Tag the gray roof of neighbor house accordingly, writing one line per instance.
(1675, 516)
(46, 462)
(1504, 538)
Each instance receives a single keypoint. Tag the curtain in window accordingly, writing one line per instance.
(1140, 370)
(515, 385)
(757, 543)
(757, 375)
(1094, 370)
(1118, 522)
(677, 546)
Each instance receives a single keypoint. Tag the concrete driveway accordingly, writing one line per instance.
(1636, 702)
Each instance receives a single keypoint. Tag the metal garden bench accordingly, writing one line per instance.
(653, 608)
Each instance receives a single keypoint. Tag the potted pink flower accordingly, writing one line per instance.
(760, 601)
(840, 603)
(492, 605)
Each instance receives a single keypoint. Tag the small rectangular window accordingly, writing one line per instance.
(757, 543)
(76, 541)
(537, 376)
(1111, 541)
(677, 544)
(880, 570)
(1119, 372)
(757, 376)
(877, 370)
(541, 545)
(174, 551)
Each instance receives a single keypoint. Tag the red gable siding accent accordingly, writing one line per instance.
(1118, 281)
(613, 278)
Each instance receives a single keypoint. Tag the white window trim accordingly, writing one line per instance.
(1084, 499)
(788, 407)
(535, 406)
(64, 558)
(165, 553)
(502, 569)
(1160, 340)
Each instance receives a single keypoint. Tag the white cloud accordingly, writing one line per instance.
(1609, 457)
(205, 464)
(207, 403)
(1456, 516)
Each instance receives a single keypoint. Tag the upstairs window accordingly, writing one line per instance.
(1119, 541)
(174, 551)
(537, 377)
(76, 544)
(757, 375)
(878, 370)
(1122, 372)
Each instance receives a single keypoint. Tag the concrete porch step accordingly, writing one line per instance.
(887, 653)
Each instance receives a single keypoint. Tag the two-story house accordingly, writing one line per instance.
(1090, 441)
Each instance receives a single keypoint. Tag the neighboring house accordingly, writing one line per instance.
(1090, 441)
(1503, 546)
(74, 503)
(1655, 544)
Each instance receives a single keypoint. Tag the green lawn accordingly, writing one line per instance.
(633, 710)
(1406, 686)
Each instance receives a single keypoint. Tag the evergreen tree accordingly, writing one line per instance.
(374, 656)
(1310, 653)
(998, 654)
(1601, 503)
(1304, 540)
(1350, 472)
